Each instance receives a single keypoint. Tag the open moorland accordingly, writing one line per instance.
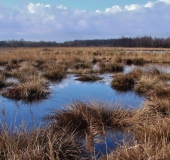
(73, 132)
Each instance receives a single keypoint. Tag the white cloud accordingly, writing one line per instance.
(132, 7)
(38, 21)
(165, 1)
(113, 9)
(61, 7)
(31, 8)
(149, 5)
(42, 12)
(37, 8)
(47, 6)
(34, 7)
(98, 11)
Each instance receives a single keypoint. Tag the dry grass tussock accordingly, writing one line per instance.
(136, 73)
(123, 82)
(81, 116)
(24, 74)
(39, 144)
(143, 81)
(90, 120)
(146, 83)
(55, 74)
(31, 90)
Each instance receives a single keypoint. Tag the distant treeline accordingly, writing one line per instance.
(145, 41)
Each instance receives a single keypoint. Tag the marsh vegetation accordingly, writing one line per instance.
(73, 132)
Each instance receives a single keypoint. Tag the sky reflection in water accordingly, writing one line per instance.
(63, 93)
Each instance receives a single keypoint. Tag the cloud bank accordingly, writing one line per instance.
(59, 23)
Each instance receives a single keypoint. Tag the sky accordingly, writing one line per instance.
(64, 20)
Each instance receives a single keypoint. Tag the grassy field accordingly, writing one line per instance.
(61, 138)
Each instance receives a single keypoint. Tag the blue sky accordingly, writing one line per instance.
(89, 5)
(63, 20)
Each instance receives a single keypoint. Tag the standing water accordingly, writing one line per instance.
(63, 93)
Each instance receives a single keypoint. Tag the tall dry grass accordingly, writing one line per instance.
(39, 144)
